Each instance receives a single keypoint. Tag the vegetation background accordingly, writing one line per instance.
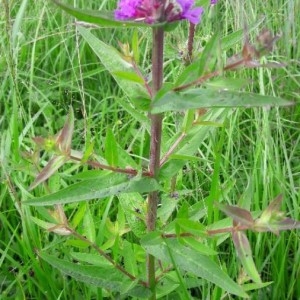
(45, 67)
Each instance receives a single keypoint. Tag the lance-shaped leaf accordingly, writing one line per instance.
(52, 166)
(103, 18)
(64, 138)
(129, 76)
(192, 261)
(108, 278)
(244, 252)
(198, 98)
(109, 185)
(115, 63)
(239, 215)
(111, 148)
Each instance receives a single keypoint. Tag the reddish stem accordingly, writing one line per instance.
(155, 145)
(204, 78)
(98, 165)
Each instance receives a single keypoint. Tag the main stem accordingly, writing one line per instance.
(156, 131)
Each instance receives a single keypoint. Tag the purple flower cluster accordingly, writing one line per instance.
(152, 11)
(137, 10)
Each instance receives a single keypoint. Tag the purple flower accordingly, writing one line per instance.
(127, 9)
(139, 10)
(189, 13)
(152, 11)
(212, 2)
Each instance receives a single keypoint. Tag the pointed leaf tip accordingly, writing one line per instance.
(52, 166)
(64, 138)
(272, 208)
(239, 215)
(274, 220)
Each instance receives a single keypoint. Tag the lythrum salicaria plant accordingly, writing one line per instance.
(171, 248)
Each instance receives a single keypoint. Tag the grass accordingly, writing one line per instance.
(45, 67)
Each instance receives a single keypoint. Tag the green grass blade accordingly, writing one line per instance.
(16, 28)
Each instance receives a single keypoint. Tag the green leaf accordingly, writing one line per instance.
(129, 76)
(166, 208)
(103, 18)
(233, 38)
(76, 243)
(141, 104)
(125, 159)
(92, 259)
(193, 227)
(135, 46)
(166, 286)
(189, 145)
(78, 215)
(244, 252)
(198, 246)
(136, 114)
(256, 286)
(190, 73)
(191, 261)
(199, 98)
(134, 205)
(129, 255)
(108, 278)
(111, 148)
(115, 63)
(109, 185)
(209, 54)
(89, 226)
(223, 83)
